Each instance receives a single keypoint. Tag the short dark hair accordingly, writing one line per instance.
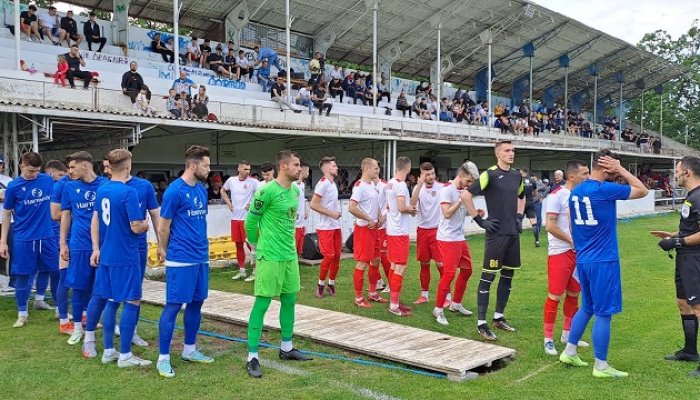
(32, 159)
(243, 162)
(267, 167)
(603, 153)
(426, 166)
(403, 162)
(284, 156)
(691, 163)
(305, 164)
(501, 143)
(52, 8)
(573, 165)
(58, 165)
(196, 153)
(325, 160)
(117, 158)
(74, 45)
(32, 7)
(525, 170)
(92, 14)
(80, 156)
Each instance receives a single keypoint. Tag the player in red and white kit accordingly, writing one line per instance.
(425, 200)
(452, 244)
(398, 224)
(380, 251)
(561, 262)
(302, 212)
(325, 202)
(237, 193)
(364, 206)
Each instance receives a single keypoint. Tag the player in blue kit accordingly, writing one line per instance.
(593, 215)
(184, 248)
(34, 244)
(77, 202)
(116, 223)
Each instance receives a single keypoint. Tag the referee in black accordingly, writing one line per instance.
(502, 187)
(686, 241)
(529, 188)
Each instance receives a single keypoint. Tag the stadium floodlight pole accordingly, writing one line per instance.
(439, 68)
(641, 115)
(375, 9)
(18, 32)
(661, 117)
(619, 121)
(176, 37)
(530, 97)
(595, 100)
(566, 97)
(288, 27)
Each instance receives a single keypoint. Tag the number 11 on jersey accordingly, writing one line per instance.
(590, 219)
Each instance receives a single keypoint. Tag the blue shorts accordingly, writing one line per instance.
(80, 275)
(54, 31)
(187, 284)
(120, 283)
(601, 287)
(30, 257)
(143, 257)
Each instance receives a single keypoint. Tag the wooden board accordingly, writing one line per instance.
(416, 347)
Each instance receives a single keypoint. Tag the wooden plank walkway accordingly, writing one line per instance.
(416, 347)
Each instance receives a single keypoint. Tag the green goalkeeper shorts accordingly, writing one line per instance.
(273, 278)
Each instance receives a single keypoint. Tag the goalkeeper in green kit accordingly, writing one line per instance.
(270, 227)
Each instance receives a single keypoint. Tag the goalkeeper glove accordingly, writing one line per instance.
(519, 221)
(671, 243)
(490, 225)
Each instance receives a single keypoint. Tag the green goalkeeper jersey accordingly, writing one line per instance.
(271, 221)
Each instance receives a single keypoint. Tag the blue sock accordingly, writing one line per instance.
(192, 320)
(42, 282)
(127, 325)
(166, 326)
(61, 296)
(94, 311)
(578, 325)
(22, 289)
(78, 304)
(53, 279)
(601, 336)
(109, 321)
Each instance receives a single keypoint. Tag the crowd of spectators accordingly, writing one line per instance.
(647, 143)
(656, 180)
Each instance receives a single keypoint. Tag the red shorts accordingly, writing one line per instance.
(426, 245)
(560, 273)
(330, 242)
(237, 231)
(299, 234)
(455, 255)
(363, 243)
(380, 244)
(397, 249)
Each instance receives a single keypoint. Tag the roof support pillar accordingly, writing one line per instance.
(660, 91)
(375, 11)
(564, 62)
(385, 58)
(593, 69)
(235, 21)
(18, 32)
(324, 39)
(176, 34)
(620, 78)
(120, 22)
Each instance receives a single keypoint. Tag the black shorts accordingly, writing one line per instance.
(74, 37)
(502, 251)
(688, 277)
(530, 211)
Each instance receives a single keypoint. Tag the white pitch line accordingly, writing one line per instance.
(537, 371)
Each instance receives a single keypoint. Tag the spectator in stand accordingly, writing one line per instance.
(498, 110)
(446, 110)
(50, 25)
(369, 95)
(558, 179)
(278, 93)
(643, 141)
(424, 89)
(336, 88)
(458, 109)
(61, 70)
(93, 33)
(357, 91)
(75, 61)
(214, 191)
(200, 103)
(170, 45)
(315, 68)
(483, 113)
(69, 25)
(230, 61)
(193, 53)
(304, 96)
(433, 108)
(132, 82)
(421, 108)
(143, 101)
(184, 103)
(264, 76)
(216, 63)
(336, 73)
(656, 144)
(348, 81)
(266, 53)
(204, 51)
(171, 104)
(157, 46)
(321, 99)
(383, 90)
(29, 24)
(244, 67)
(402, 105)
(184, 85)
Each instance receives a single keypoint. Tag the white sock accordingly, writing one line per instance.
(331, 282)
(548, 339)
(89, 336)
(497, 315)
(286, 345)
(449, 296)
(189, 349)
(109, 352)
(425, 293)
(564, 335)
(39, 297)
(23, 314)
(321, 283)
(437, 309)
(252, 355)
(84, 313)
(601, 365)
(242, 270)
(164, 357)
(63, 321)
(394, 306)
(125, 356)
(77, 326)
(570, 349)
(481, 322)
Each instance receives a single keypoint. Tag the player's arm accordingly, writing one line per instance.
(476, 188)
(4, 232)
(521, 198)
(66, 220)
(357, 213)
(163, 236)
(155, 220)
(95, 239)
(252, 220)
(402, 207)
(553, 228)
(226, 198)
(638, 190)
(415, 196)
(56, 211)
(315, 205)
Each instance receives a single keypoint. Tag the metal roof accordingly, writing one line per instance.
(413, 24)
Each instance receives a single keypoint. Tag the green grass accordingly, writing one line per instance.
(36, 363)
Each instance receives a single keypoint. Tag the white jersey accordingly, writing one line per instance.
(428, 216)
(241, 193)
(367, 198)
(328, 192)
(451, 229)
(558, 203)
(4, 182)
(397, 223)
(301, 210)
(381, 200)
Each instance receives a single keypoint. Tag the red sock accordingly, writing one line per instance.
(386, 265)
(425, 276)
(441, 270)
(335, 266)
(359, 280)
(570, 308)
(373, 276)
(396, 282)
(444, 288)
(323, 270)
(550, 316)
(461, 285)
(240, 255)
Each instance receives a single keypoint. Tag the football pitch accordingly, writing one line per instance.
(36, 362)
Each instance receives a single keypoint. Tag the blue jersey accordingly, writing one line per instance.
(56, 197)
(266, 52)
(593, 213)
(117, 205)
(79, 198)
(186, 207)
(147, 201)
(30, 200)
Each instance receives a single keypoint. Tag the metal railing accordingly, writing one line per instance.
(265, 114)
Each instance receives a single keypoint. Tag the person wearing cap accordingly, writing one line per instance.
(157, 46)
(214, 191)
(216, 63)
(28, 23)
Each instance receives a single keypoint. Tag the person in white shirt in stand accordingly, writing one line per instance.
(380, 246)
(425, 199)
(302, 212)
(325, 202)
(237, 193)
(452, 243)
(398, 224)
(364, 206)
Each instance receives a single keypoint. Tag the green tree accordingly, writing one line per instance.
(681, 96)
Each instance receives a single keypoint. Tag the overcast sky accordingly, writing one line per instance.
(629, 19)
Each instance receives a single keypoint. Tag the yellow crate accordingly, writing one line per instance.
(220, 248)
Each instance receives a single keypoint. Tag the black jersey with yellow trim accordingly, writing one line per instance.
(690, 217)
(501, 190)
